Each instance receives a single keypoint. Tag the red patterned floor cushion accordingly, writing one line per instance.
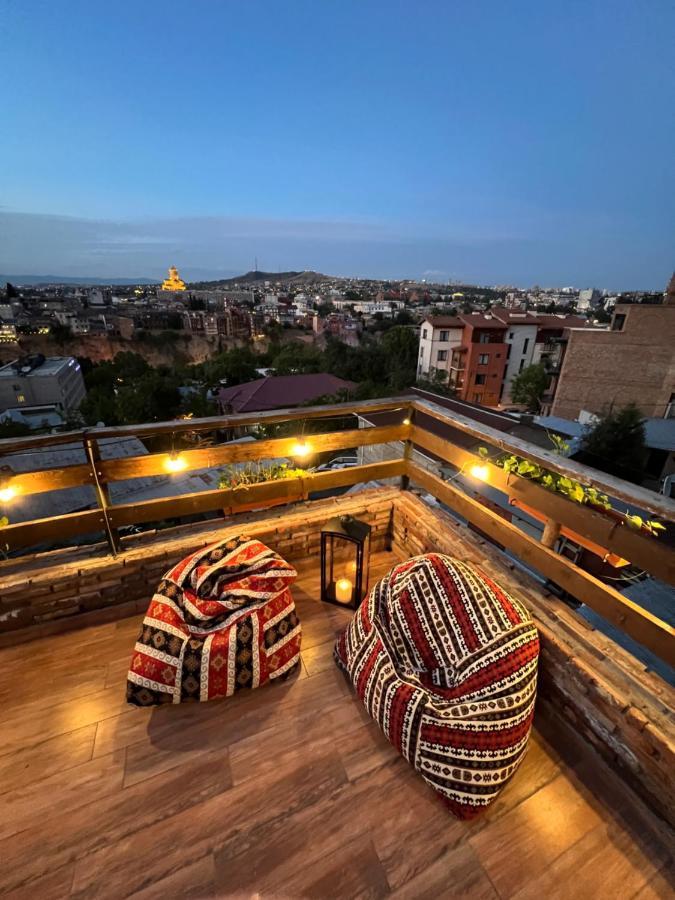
(445, 661)
(221, 620)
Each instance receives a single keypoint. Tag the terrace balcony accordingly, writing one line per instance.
(291, 790)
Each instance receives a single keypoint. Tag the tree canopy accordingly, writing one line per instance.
(529, 386)
(616, 443)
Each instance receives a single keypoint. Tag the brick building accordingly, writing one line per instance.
(632, 362)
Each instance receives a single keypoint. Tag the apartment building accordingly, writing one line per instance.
(480, 354)
(38, 381)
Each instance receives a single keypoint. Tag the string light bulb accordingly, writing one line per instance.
(175, 462)
(406, 421)
(480, 472)
(301, 449)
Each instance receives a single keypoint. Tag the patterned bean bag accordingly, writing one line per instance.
(445, 661)
(221, 620)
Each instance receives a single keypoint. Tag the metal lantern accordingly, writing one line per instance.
(345, 557)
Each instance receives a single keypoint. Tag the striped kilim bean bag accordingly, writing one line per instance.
(445, 661)
(221, 620)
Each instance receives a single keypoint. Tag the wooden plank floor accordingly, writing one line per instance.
(289, 791)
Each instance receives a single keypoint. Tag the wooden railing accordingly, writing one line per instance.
(410, 431)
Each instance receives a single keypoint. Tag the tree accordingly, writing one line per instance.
(616, 443)
(400, 347)
(530, 386)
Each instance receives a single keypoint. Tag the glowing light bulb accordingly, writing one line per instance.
(7, 494)
(406, 421)
(301, 449)
(480, 472)
(175, 463)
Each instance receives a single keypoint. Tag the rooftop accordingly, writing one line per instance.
(277, 391)
(51, 365)
(291, 790)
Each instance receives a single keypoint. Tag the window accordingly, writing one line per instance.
(618, 321)
(510, 337)
(424, 332)
(442, 355)
(520, 367)
(444, 335)
(20, 398)
(484, 338)
(483, 359)
(526, 344)
(480, 379)
(508, 352)
(421, 353)
(477, 398)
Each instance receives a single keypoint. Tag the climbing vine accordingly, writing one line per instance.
(568, 487)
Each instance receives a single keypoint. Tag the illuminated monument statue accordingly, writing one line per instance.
(173, 282)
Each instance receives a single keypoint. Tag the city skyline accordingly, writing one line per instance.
(487, 145)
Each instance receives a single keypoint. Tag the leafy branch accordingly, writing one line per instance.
(568, 487)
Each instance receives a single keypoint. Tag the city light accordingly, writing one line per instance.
(301, 449)
(7, 494)
(480, 472)
(175, 462)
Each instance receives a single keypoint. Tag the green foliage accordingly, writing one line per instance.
(297, 358)
(234, 366)
(616, 443)
(127, 391)
(255, 473)
(530, 386)
(568, 487)
(10, 429)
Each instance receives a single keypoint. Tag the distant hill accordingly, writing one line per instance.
(252, 278)
(22, 280)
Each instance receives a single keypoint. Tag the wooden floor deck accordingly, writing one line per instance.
(289, 791)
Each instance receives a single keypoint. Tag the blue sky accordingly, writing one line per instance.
(494, 142)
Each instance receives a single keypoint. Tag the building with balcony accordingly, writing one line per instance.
(291, 790)
(485, 375)
(38, 381)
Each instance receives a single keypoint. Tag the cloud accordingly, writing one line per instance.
(563, 252)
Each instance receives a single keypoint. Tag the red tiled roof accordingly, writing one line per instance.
(480, 320)
(445, 321)
(279, 391)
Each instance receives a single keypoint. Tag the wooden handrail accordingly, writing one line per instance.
(211, 423)
(642, 549)
(647, 629)
(657, 504)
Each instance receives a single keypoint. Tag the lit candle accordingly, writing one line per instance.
(343, 590)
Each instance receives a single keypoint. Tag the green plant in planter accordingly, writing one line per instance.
(243, 477)
(568, 487)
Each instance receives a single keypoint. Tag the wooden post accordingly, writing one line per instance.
(407, 447)
(551, 533)
(102, 494)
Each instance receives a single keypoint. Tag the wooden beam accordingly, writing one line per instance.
(642, 626)
(231, 499)
(43, 480)
(656, 504)
(233, 452)
(57, 529)
(643, 550)
(211, 423)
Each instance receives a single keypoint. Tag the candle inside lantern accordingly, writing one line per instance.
(343, 590)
